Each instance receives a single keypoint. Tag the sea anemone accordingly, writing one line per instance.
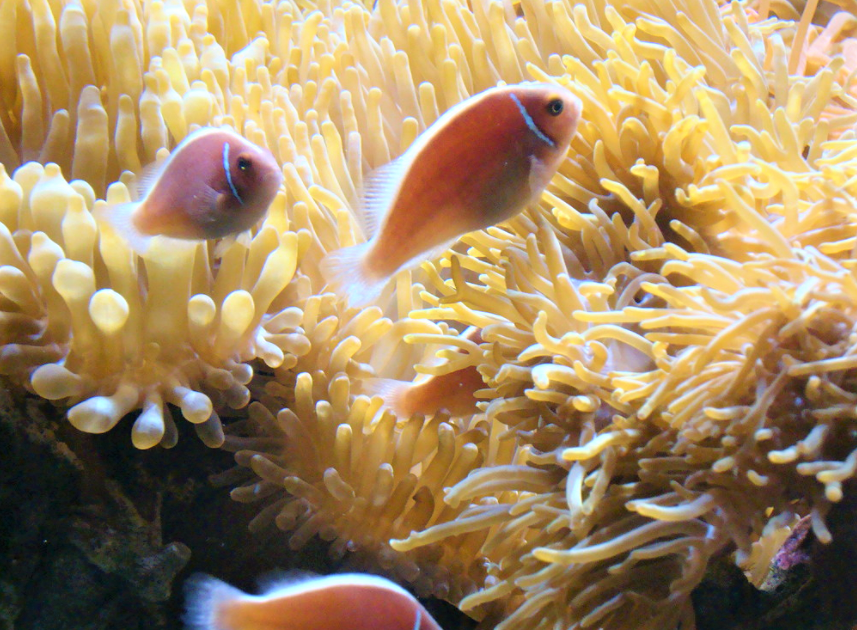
(665, 340)
(85, 320)
(676, 333)
(694, 221)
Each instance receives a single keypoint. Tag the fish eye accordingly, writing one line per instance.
(244, 164)
(555, 107)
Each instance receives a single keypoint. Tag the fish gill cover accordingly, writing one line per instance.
(666, 339)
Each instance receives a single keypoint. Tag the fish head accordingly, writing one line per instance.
(553, 110)
(255, 175)
(248, 180)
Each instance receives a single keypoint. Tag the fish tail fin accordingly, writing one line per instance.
(119, 217)
(392, 392)
(204, 600)
(345, 270)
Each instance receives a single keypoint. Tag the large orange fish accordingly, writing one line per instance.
(479, 164)
(336, 602)
(214, 184)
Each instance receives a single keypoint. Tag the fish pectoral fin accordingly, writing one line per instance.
(210, 199)
(539, 178)
(379, 187)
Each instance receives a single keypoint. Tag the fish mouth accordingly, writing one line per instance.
(274, 177)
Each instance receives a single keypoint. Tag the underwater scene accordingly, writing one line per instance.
(428, 314)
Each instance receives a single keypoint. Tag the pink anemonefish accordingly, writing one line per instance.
(335, 602)
(480, 163)
(452, 392)
(214, 184)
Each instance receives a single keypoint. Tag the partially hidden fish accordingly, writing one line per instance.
(214, 184)
(480, 163)
(348, 601)
(453, 393)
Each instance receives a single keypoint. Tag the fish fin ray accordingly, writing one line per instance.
(429, 255)
(222, 246)
(278, 579)
(538, 180)
(391, 391)
(242, 238)
(344, 270)
(119, 217)
(149, 175)
(203, 596)
(379, 187)
(210, 198)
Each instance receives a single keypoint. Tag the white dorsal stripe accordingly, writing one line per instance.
(229, 173)
(530, 122)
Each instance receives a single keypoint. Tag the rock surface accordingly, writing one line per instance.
(96, 535)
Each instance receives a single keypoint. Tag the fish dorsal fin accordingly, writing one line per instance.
(379, 189)
(279, 579)
(149, 175)
(151, 172)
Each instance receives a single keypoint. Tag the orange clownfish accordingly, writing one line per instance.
(480, 163)
(335, 602)
(215, 183)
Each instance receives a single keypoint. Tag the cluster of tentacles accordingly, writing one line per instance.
(665, 342)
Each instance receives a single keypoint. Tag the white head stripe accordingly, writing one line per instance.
(530, 122)
(229, 173)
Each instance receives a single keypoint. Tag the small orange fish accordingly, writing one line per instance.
(336, 602)
(479, 164)
(453, 393)
(214, 184)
